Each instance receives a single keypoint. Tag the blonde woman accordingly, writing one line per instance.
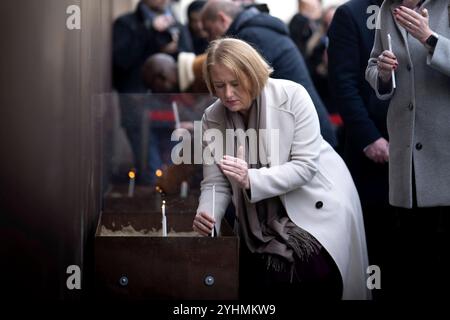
(298, 212)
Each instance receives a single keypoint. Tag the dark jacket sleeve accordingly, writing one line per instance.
(345, 75)
(128, 47)
(185, 41)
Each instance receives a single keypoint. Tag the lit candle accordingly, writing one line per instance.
(164, 221)
(176, 115)
(132, 177)
(213, 206)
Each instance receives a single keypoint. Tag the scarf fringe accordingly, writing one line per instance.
(276, 263)
(302, 243)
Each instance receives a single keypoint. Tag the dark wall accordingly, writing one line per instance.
(50, 80)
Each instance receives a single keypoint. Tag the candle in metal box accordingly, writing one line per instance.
(164, 219)
(131, 183)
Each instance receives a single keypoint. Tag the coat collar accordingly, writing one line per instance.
(274, 94)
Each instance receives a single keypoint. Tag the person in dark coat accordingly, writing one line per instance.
(305, 23)
(150, 29)
(270, 37)
(198, 35)
(364, 115)
(139, 34)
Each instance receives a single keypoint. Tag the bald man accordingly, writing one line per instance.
(160, 73)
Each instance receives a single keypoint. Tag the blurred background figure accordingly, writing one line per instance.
(304, 23)
(364, 115)
(198, 35)
(245, 2)
(317, 59)
(269, 35)
(165, 79)
(150, 29)
(161, 78)
(252, 4)
(162, 74)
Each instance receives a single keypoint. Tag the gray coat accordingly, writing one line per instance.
(418, 118)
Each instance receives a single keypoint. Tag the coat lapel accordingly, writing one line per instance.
(400, 29)
(279, 130)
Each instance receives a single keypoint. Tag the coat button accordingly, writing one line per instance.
(418, 146)
(408, 67)
(411, 106)
(319, 204)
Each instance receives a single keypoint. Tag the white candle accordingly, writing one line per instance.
(394, 85)
(164, 220)
(176, 115)
(132, 177)
(213, 206)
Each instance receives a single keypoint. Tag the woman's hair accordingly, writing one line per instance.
(250, 68)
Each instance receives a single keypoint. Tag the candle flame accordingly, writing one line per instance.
(164, 202)
(131, 174)
(159, 173)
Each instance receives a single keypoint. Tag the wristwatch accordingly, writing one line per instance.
(431, 42)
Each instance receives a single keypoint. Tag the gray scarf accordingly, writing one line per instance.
(265, 225)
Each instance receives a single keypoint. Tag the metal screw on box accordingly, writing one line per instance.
(123, 281)
(209, 280)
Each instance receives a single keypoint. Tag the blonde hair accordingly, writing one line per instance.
(249, 67)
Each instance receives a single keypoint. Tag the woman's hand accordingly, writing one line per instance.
(416, 24)
(203, 223)
(236, 169)
(387, 62)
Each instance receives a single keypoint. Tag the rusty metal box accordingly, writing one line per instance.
(133, 261)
